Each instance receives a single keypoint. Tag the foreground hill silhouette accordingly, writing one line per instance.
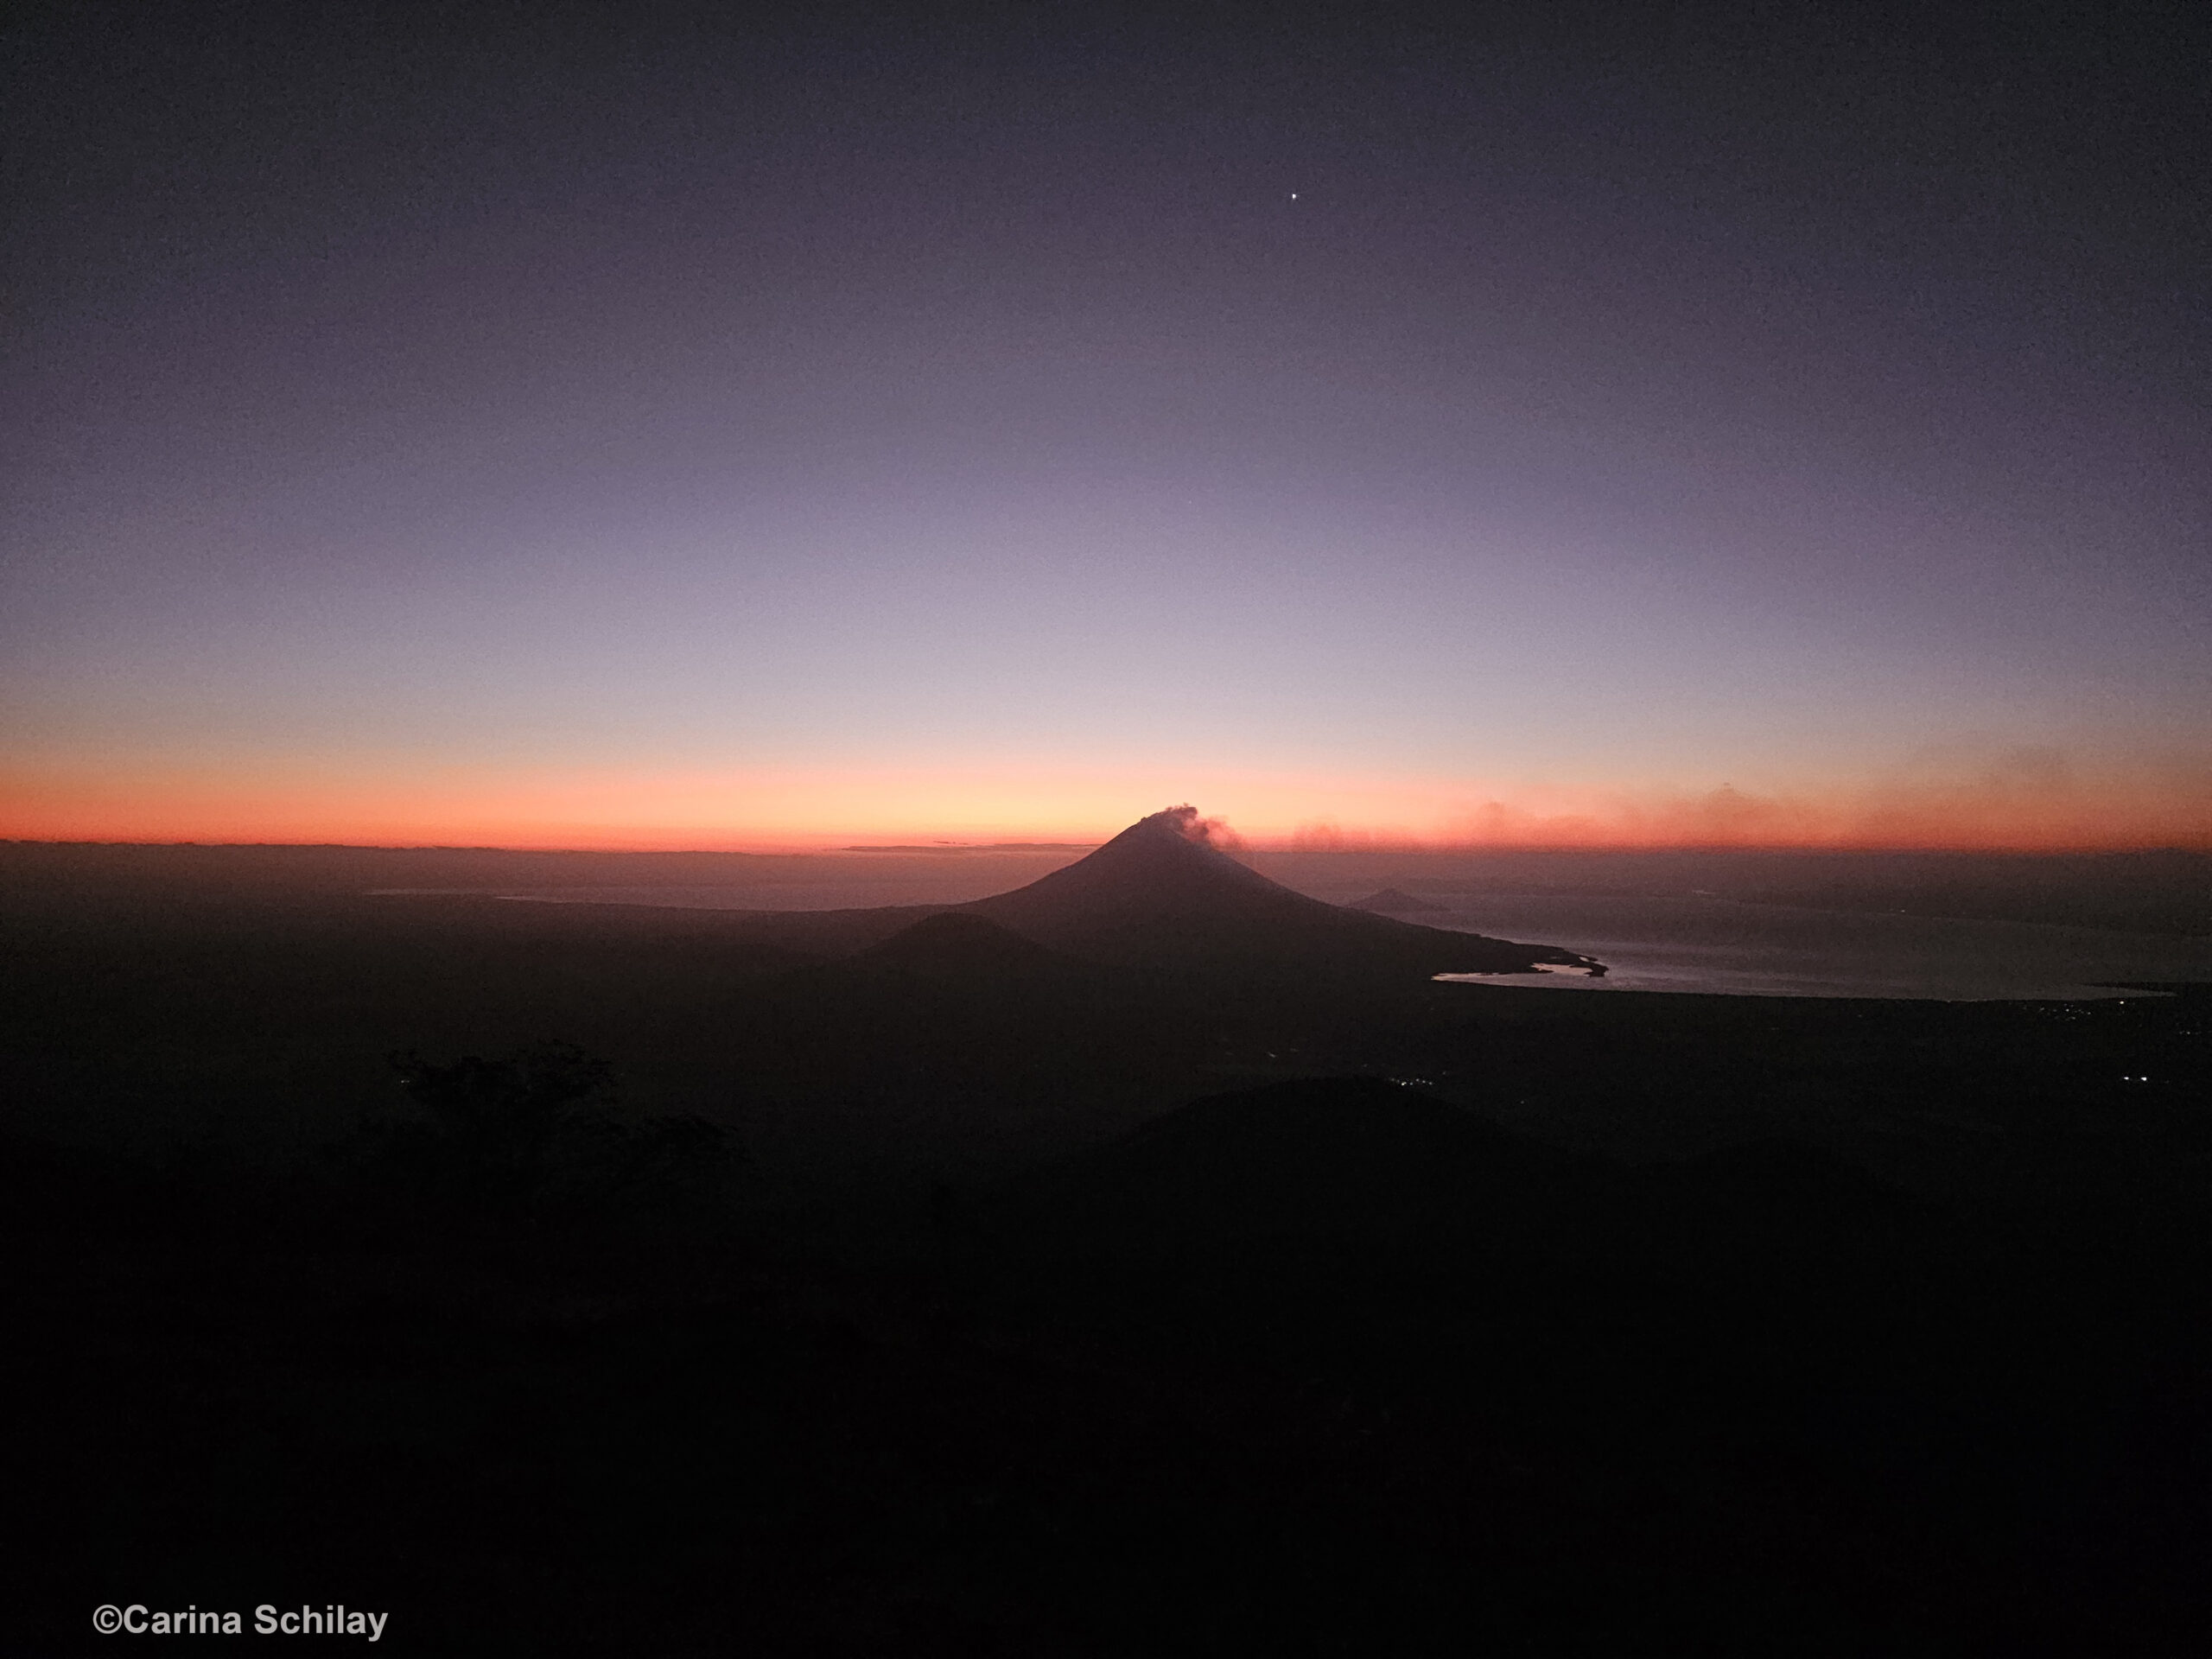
(1832, 1382)
(1393, 1187)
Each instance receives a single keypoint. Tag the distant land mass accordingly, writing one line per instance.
(2164, 891)
(978, 847)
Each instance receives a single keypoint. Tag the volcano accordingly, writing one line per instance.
(1159, 895)
(1160, 892)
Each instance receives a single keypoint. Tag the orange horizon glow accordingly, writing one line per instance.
(2041, 805)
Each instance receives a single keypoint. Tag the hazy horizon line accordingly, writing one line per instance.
(1348, 847)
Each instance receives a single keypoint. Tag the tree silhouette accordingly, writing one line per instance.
(544, 1128)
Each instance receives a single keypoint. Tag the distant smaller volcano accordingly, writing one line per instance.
(1393, 901)
(955, 945)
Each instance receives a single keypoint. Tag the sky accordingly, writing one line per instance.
(1775, 425)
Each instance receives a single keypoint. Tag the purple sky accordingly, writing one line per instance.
(648, 428)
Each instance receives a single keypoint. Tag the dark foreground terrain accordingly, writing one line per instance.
(938, 1287)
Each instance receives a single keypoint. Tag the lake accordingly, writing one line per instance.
(1680, 941)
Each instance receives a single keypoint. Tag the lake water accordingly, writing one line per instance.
(1695, 944)
(1690, 942)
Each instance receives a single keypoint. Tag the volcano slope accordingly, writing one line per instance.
(1160, 897)
(1160, 893)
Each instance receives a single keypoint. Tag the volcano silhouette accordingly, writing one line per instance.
(1395, 901)
(1160, 892)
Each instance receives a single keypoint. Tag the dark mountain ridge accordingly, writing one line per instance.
(1371, 1163)
(956, 942)
(1393, 901)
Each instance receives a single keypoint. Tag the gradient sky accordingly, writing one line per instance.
(624, 426)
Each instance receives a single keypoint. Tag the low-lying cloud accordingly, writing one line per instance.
(1992, 800)
(2027, 798)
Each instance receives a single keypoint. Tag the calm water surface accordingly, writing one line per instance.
(1697, 943)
